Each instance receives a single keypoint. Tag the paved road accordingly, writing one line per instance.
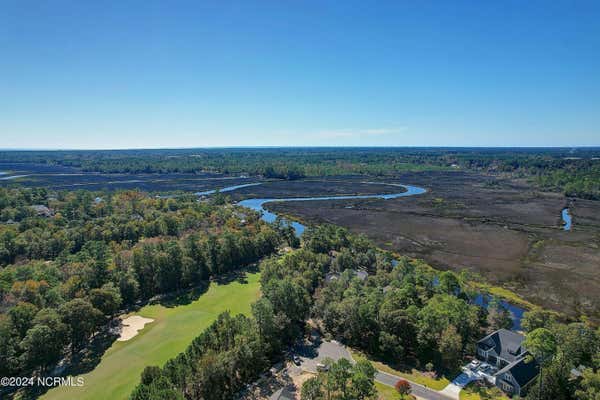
(417, 390)
(310, 356)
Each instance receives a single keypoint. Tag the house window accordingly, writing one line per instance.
(506, 387)
(507, 378)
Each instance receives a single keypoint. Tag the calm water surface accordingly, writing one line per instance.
(566, 216)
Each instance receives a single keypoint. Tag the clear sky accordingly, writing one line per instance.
(130, 74)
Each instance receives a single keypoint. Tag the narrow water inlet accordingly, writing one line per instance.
(567, 220)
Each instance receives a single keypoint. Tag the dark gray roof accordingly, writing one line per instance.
(522, 370)
(283, 394)
(505, 344)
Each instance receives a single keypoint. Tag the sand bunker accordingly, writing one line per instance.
(131, 326)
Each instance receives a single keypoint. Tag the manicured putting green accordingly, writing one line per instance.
(171, 332)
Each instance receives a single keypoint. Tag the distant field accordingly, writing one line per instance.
(171, 332)
(65, 178)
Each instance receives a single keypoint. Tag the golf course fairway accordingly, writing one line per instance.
(172, 330)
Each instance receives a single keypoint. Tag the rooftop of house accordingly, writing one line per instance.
(522, 370)
(41, 209)
(504, 344)
(283, 394)
(578, 372)
(331, 276)
(360, 274)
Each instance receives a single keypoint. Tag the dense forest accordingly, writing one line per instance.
(403, 310)
(69, 261)
(575, 172)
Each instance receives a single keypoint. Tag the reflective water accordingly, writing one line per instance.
(483, 300)
(566, 219)
(225, 189)
(516, 312)
(257, 204)
(8, 178)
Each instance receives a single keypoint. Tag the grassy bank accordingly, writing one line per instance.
(503, 293)
(171, 332)
(474, 392)
(385, 392)
(414, 375)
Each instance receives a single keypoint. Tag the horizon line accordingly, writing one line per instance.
(50, 149)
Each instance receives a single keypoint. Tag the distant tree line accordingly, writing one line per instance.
(573, 172)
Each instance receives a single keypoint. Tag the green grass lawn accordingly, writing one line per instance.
(385, 392)
(171, 332)
(414, 375)
(474, 392)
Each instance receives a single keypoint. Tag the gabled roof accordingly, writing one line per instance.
(283, 394)
(331, 276)
(360, 274)
(504, 344)
(522, 370)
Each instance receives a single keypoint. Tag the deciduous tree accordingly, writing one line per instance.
(403, 388)
(81, 318)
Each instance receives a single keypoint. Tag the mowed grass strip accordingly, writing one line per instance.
(415, 376)
(385, 392)
(171, 332)
(475, 392)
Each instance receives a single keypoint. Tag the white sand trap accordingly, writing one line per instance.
(131, 326)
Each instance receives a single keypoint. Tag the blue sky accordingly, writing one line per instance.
(131, 74)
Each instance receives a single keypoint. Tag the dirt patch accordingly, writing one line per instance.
(131, 326)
